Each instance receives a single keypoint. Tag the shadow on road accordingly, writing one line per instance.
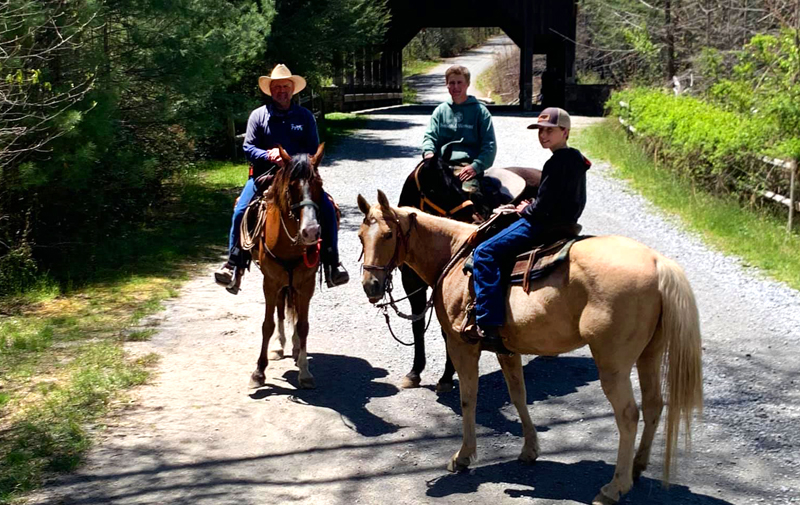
(550, 480)
(545, 377)
(355, 387)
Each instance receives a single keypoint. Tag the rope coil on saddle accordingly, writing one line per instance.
(248, 240)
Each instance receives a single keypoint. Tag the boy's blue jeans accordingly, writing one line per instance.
(330, 232)
(493, 261)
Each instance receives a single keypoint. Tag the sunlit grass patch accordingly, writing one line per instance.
(757, 235)
(49, 434)
(140, 335)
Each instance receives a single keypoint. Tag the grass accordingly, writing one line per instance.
(62, 364)
(415, 67)
(757, 235)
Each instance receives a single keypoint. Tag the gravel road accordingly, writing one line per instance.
(198, 435)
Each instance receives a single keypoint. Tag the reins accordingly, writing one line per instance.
(389, 268)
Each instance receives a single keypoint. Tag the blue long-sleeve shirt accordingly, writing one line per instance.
(294, 129)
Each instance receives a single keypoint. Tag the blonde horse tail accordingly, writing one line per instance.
(683, 374)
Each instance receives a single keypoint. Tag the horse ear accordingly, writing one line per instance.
(317, 157)
(383, 200)
(363, 204)
(284, 155)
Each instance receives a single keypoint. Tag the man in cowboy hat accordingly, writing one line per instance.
(283, 123)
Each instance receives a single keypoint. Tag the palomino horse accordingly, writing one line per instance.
(628, 303)
(434, 188)
(288, 254)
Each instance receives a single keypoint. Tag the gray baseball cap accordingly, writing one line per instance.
(551, 116)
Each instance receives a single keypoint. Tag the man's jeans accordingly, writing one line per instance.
(493, 261)
(327, 217)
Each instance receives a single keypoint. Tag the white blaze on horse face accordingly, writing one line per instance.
(309, 226)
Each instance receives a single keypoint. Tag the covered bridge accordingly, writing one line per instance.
(374, 78)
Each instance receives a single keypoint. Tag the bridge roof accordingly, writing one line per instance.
(544, 17)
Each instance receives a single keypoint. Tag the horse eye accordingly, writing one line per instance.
(387, 235)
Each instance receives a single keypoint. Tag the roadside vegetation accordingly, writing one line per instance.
(755, 233)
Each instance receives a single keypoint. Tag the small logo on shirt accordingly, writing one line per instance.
(297, 127)
(459, 117)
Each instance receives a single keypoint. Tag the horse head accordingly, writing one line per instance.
(384, 237)
(297, 192)
(440, 186)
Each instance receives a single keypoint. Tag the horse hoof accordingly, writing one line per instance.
(308, 383)
(602, 499)
(444, 387)
(455, 467)
(275, 355)
(527, 458)
(410, 381)
(257, 380)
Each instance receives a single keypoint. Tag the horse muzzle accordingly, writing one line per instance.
(373, 287)
(310, 234)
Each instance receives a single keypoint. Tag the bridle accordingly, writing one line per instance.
(402, 241)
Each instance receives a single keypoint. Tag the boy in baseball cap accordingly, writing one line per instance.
(560, 202)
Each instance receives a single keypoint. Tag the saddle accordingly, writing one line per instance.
(550, 251)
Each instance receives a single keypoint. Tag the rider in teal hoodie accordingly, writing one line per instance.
(467, 122)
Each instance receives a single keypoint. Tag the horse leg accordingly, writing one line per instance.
(445, 384)
(411, 283)
(649, 368)
(277, 345)
(465, 358)
(515, 380)
(258, 379)
(617, 388)
(306, 380)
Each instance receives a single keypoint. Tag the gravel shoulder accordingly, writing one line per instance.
(198, 435)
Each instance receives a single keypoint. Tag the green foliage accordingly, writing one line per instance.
(432, 43)
(765, 84)
(756, 235)
(714, 146)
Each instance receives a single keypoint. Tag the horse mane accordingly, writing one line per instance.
(300, 168)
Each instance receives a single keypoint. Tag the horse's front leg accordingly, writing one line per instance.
(515, 380)
(465, 358)
(445, 384)
(279, 344)
(301, 305)
(411, 283)
(258, 379)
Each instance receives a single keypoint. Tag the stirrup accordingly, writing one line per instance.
(335, 277)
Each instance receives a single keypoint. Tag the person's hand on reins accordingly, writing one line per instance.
(274, 155)
(467, 173)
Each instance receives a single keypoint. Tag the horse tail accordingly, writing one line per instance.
(683, 374)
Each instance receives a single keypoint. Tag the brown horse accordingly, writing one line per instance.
(628, 303)
(433, 187)
(287, 252)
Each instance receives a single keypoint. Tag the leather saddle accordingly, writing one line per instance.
(550, 251)
(507, 184)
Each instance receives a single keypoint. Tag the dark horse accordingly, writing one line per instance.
(434, 188)
(287, 251)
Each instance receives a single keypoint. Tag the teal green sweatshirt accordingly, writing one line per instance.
(469, 121)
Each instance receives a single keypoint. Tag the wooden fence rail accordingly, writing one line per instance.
(788, 166)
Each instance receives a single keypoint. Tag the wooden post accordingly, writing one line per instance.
(792, 198)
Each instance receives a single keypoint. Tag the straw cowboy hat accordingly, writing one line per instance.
(279, 73)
